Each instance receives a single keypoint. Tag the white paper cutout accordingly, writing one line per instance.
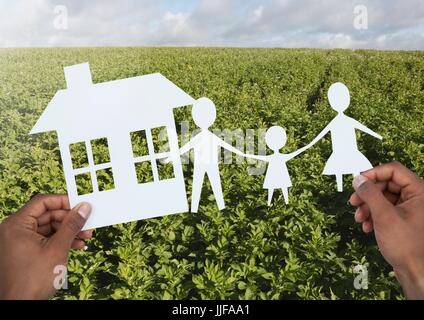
(206, 146)
(86, 111)
(277, 175)
(346, 158)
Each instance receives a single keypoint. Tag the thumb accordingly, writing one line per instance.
(367, 190)
(71, 226)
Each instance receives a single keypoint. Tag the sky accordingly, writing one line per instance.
(374, 24)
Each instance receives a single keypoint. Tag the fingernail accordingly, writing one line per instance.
(358, 181)
(84, 210)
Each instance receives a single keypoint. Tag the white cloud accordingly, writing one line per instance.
(174, 29)
(393, 24)
(257, 14)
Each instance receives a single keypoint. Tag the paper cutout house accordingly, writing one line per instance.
(85, 114)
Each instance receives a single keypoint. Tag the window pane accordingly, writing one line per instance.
(105, 179)
(139, 143)
(83, 182)
(100, 149)
(165, 170)
(160, 139)
(78, 155)
(144, 172)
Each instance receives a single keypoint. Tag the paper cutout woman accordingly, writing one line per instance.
(277, 176)
(346, 158)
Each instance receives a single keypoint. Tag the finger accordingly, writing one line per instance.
(87, 234)
(392, 194)
(362, 213)
(398, 174)
(355, 200)
(51, 215)
(45, 230)
(78, 244)
(393, 187)
(368, 226)
(49, 229)
(71, 226)
(39, 204)
(381, 209)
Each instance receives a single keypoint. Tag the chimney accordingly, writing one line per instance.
(78, 76)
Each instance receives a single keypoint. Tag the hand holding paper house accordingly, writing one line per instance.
(86, 115)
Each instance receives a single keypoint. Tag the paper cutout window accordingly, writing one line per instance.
(149, 147)
(92, 166)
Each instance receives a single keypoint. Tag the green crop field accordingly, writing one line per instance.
(304, 250)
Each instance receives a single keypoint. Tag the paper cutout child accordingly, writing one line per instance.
(206, 146)
(346, 158)
(277, 176)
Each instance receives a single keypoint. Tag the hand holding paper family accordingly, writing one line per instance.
(345, 159)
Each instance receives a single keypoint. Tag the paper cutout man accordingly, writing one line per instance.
(277, 176)
(346, 158)
(206, 146)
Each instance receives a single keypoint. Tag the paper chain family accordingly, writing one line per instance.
(146, 102)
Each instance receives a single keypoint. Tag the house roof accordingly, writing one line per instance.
(97, 109)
